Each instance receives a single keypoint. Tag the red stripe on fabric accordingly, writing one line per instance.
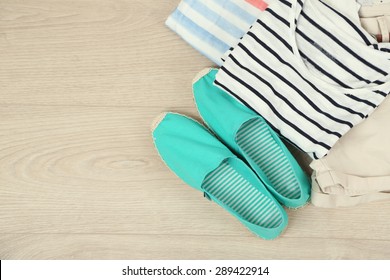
(260, 4)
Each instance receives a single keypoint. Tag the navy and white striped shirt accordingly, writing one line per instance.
(309, 70)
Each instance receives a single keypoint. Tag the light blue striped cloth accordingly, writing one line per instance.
(212, 26)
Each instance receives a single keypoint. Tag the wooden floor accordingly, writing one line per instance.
(80, 83)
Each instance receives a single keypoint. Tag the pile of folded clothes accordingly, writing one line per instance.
(314, 73)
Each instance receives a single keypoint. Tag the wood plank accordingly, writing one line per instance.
(95, 246)
(111, 53)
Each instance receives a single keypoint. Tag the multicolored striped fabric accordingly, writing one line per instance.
(256, 141)
(213, 26)
(234, 191)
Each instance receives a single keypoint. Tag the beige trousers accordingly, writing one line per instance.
(376, 20)
(357, 168)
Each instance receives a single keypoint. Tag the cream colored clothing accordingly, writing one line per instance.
(376, 19)
(357, 168)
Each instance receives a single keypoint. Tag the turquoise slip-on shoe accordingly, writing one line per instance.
(204, 163)
(249, 136)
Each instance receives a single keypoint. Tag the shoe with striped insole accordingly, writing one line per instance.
(204, 163)
(249, 136)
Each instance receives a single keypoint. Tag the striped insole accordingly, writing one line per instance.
(255, 139)
(227, 185)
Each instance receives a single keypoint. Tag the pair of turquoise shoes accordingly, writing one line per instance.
(247, 170)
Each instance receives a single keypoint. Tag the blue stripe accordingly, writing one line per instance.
(199, 32)
(236, 10)
(219, 21)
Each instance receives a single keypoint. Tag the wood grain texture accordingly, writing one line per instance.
(80, 83)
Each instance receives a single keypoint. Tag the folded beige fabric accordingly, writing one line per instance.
(357, 168)
(376, 20)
